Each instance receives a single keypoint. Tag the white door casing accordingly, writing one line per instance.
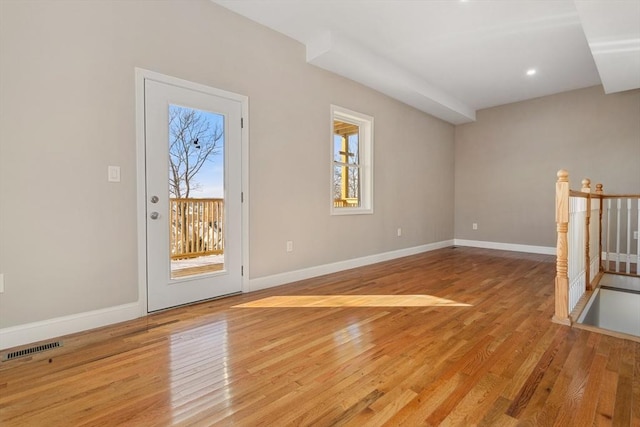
(158, 92)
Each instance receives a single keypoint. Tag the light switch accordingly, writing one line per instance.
(114, 174)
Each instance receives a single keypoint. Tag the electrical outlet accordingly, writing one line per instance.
(399, 231)
(474, 226)
(289, 245)
(113, 173)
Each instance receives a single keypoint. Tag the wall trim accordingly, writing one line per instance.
(51, 328)
(308, 273)
(46, 329)
(545, 250)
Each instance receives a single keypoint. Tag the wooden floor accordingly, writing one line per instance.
(488, 355)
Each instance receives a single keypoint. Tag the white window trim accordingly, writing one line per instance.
(365, 140)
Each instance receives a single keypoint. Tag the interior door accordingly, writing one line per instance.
(193, 194)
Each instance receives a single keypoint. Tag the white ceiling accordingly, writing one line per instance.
(450, 58)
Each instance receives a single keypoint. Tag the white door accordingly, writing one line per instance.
(193, 194)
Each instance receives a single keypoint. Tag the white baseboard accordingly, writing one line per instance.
(43, 330)
(52, 328)
(47, 329)
(545, 250)
(307, 273)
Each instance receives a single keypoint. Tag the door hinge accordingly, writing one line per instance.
(242, 270)
(242, 197)
(241, 122)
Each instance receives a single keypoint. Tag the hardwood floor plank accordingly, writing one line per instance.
(624, 394)
(635, 399)
(586, 411)
(527, 390)
(606, 399)
(475, 404)
(498, 360)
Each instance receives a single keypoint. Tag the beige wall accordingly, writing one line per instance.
(506, 161)
(68, 237)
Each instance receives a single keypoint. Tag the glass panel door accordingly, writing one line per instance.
(193, 189)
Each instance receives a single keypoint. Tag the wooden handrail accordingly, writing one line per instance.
(621, 196)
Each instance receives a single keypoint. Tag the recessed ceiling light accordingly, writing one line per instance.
(531, 71)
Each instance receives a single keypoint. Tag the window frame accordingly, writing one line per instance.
(365, 160)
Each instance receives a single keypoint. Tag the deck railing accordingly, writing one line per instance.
(196, 227)
(352, 202)
(592, 229)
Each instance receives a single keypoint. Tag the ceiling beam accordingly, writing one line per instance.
(349, 59)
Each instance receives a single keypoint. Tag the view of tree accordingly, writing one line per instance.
(353, 188)
(353, 184)
(193, 140)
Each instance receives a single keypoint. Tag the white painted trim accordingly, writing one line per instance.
(141, 223)
(307, 273)
(52, 328)
(245, 190)
(366, 148)
(140, 76)
(545, 250)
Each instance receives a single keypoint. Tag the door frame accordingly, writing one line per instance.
(141, 206)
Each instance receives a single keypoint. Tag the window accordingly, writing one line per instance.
(351, 162)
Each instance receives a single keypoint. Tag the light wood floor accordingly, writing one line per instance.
(493, 358)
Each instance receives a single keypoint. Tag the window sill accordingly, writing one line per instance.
(351, 211)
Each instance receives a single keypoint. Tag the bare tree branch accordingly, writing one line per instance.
(192, 142)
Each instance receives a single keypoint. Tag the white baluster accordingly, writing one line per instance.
(638, 241)
(629, 235)
(619, 208)
(606, 252)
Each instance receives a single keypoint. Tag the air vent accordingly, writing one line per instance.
(31, 350)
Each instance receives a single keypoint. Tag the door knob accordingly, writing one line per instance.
(154, 215)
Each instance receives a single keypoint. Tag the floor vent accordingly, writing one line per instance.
(31, 350)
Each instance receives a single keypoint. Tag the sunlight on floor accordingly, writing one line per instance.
(352, 301)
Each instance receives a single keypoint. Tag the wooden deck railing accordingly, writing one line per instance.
(196, 227)
(587, 245)
(353, 202)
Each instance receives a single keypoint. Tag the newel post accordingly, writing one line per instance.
(599, 189)
(562, 225)
(586, 188)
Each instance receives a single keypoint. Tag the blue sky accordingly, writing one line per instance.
(210, 178)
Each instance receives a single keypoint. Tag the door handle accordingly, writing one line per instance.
(154, 215)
